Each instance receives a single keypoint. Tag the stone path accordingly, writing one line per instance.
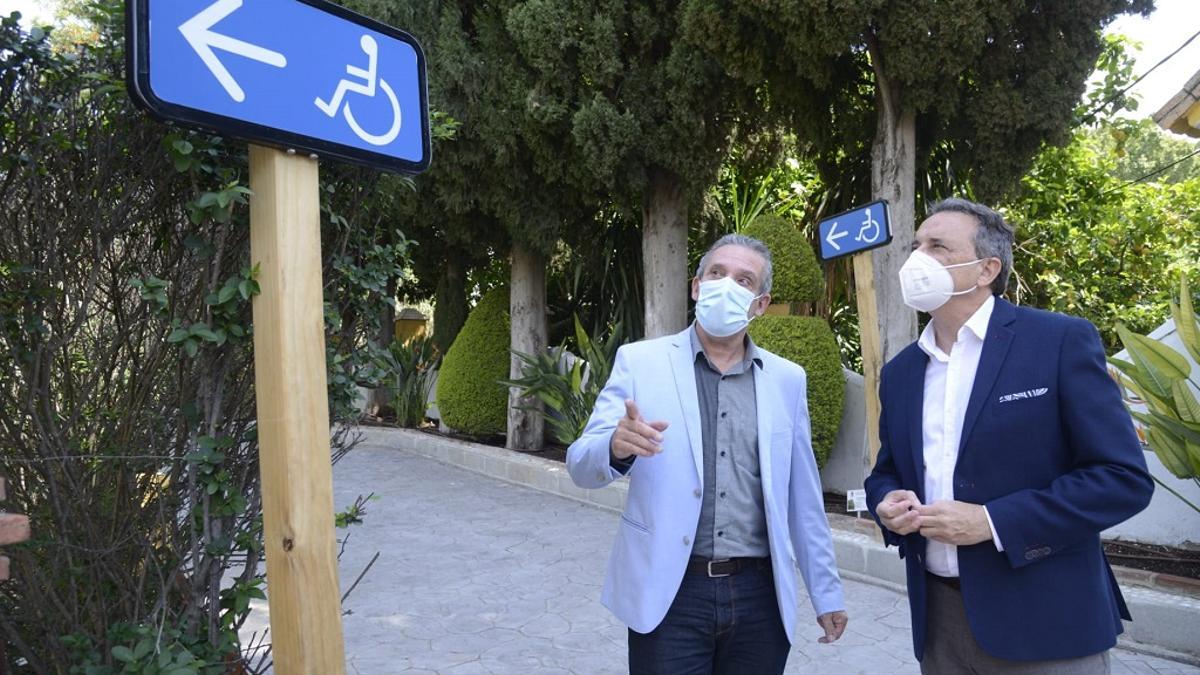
(476, 575)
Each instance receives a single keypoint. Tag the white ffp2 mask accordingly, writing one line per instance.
(926, 283)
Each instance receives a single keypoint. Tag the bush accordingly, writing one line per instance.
(797, 275)
(809, 341)
(470, 396)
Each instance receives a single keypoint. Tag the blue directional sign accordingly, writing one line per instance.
(298, 74)
(855, 231)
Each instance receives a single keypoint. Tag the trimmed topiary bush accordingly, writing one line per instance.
(469, 394)
(809, 342)
(798, 277)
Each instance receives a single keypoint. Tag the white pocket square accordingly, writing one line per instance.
(1028, 393)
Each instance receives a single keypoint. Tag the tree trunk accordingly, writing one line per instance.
(893, 177)
(527, 312)
(665, 254)
(387, 333)
(450, 305)
(887, 324)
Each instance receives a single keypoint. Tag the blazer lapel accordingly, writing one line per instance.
(684, 368)
(995, 349)
(915, 399)
(763, 400)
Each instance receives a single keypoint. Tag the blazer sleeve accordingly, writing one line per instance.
(588, 457)
(1107, 482)
(884, 477)
(811, 539)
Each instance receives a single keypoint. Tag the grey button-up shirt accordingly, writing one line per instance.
(733, 522)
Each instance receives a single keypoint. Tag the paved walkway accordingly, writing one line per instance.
(476, 575)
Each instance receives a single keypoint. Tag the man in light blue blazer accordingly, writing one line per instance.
(724, 496)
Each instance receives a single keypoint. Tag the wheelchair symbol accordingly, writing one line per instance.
(871, 225)
(370, 76)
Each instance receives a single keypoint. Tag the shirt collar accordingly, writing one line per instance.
(752, 354)
(977, 325)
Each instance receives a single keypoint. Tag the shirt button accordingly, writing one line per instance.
(722, 453)
(697, 493)
(720, 533)
(724, 414)
(687, 541)
(722, 495)
(600, 475)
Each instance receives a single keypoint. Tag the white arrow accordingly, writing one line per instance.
(833, 236)
(196, 31)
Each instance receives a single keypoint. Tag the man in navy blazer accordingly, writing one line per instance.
(724, 497)
(1005, 450)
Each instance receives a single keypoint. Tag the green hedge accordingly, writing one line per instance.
(798, 276)
(809, 341)
(469, 394)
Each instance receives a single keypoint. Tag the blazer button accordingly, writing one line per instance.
(697, 493)
(687, 541)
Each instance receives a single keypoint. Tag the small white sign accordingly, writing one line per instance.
(856, 500)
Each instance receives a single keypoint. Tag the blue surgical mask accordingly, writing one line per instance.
(723, 307)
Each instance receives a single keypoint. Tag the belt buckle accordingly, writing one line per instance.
(711, 575)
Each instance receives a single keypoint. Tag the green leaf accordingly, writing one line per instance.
(1185, 402)
(191, 347)
(202, 331)
(182, 147)
(1185, 320)
(123, 654)
(1161, 364)
(1170, 451)
(142, 649)
(1185, 430)
(226, 294)
(179, 335)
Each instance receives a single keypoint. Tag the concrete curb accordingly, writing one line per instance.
(1167, 619)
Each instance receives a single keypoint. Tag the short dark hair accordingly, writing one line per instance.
(751, 243)
(993, 239)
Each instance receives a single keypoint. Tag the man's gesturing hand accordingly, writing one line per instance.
(636, 436)
(898, 511)
(833, 623)
(953, 522)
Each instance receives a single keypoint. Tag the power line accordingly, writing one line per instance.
(1152, 173)
(1110, 99)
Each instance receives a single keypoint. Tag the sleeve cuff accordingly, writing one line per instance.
(992, 526)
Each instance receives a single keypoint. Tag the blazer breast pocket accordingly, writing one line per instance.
(1031, 405)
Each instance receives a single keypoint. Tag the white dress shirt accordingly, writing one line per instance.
(948, 382)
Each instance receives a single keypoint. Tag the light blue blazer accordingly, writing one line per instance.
(654, 538)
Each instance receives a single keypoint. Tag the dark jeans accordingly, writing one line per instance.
(723, 626)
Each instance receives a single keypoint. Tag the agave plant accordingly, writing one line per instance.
(1161, 381)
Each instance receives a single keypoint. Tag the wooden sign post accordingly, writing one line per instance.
(872, 349)
(293, 415)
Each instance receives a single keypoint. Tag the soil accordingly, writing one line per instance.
(1148, 557)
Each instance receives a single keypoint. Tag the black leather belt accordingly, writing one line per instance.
(952, 582)
(725, 567)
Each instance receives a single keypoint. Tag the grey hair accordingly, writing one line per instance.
(993, 238)
(747, 242)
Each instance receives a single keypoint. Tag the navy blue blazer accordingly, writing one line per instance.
(1049, 448)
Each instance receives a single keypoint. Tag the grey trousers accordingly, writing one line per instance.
(951, 649)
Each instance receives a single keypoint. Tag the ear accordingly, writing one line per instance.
(988, 272)
(695, 288)
(763, 303)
